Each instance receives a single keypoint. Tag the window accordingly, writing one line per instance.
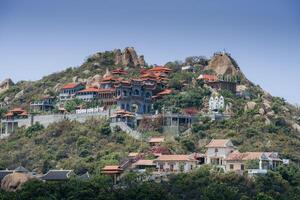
(216, 150)
(148, 95)
(242, 167)
(231, 166)
(125, 93)
(136, 92)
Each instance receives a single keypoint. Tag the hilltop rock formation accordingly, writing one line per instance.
(223, 64)
(15, 181)
(5, 85)
(128, 57)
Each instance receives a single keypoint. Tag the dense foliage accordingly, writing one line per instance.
(68, 145)
(205, 184)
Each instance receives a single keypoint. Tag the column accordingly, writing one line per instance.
(260, 164)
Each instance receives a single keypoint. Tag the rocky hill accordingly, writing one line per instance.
(258, 122)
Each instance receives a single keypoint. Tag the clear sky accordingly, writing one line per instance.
(38, 37)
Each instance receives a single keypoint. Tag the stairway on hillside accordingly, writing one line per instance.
(124, 127)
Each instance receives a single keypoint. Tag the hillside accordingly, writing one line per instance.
(259, 122)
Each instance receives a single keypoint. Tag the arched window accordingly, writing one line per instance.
(148, 95)
(136, 92)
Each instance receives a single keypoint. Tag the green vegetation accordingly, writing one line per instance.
(204, 183)
(68, 145)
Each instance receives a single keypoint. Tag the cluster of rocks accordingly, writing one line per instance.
(15, 181)
(223, 64)
(5, 85)
(128, 57)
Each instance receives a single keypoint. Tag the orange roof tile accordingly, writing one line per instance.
(175, 158)
(24, 113)
(160, 69)
(17, 110)
(9, 114)
(208, 77)
(165, 92)
(219, 143)
(144, 163)
(71, 85)
(237, 156)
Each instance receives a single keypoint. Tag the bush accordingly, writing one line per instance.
(34, 128)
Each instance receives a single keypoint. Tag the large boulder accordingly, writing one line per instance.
(142, 61)
(296, 127)
(75, 79)
(5, 85)
(128, 57)
(223, 64)
(261, 111)
(15, 181)
(250, 105)
(118, 57)
(57, 87)
(19, 95)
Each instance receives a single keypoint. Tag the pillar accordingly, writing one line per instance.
(6, 128)
(260, 164)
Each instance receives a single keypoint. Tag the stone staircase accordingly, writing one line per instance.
(124, 127)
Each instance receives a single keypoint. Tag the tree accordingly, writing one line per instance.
(34, 128)
(72, 104)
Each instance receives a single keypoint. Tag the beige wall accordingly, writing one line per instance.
(236, 165)
(187, 165)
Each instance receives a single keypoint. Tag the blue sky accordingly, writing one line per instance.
(38, 37)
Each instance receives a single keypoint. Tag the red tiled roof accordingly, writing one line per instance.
(24, 113)
(119, 71)
(208, 77)
(9, 114)
(165, 92)
(70, 85)
(219, 143)
(160, 69)
(17, 110)
(175, 158)
(144, 163)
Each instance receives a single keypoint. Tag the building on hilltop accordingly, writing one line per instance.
(217, 151)
(175, 163)
(88, 94)
(135, 96)
(10, 123)
(237, 161)
(123, 116)
(45, 104)
(69, 91)
(219, 82)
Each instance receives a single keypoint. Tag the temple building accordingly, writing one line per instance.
(135, 96)
(216, 103)
(69, 91)
(10, 123)
(219, 82)
(88, 95)
(45, 104)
